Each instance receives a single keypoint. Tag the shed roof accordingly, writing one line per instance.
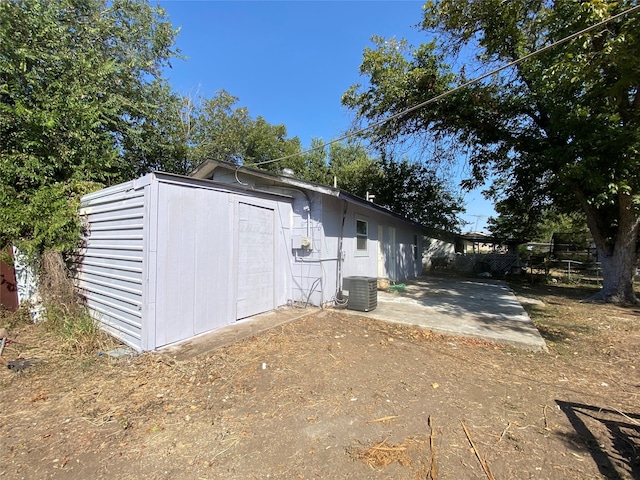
(206, 169)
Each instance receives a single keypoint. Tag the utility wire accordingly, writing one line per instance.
(566, 39)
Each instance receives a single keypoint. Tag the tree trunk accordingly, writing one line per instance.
(618, 271)
(617, 256)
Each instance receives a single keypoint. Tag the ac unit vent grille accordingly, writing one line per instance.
(363, 293)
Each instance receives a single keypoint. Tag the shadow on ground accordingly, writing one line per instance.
(618, 457)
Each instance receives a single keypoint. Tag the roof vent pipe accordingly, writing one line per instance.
(287, 172)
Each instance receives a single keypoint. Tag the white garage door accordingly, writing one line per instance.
(256, 264)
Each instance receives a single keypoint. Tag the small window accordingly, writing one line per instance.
(362, 235)
(415, 247)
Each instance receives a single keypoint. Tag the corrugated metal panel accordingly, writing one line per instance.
(111, 271)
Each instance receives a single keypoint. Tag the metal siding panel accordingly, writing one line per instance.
(182, 218)
(149, 284)
(169, 326)
(213, 262)
(193, 262)
(124, 274)
(308, 272)
(284, 254)
(331, 221)
(110, 270)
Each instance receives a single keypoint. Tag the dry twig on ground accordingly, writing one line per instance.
(483, 464)
(433, 472)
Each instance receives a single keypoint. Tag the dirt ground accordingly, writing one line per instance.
(334, 396)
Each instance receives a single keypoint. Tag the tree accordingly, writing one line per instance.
(560, 129)
(513, 223)
(219, 129)
(414, 190)
(160, 141)
(82, 103)
(224, 131)
(404, 187)
(354, 169)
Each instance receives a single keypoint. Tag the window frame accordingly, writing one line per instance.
(361, 252)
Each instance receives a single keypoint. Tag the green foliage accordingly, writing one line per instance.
(510, 224)
(222, 130)
(82, 105)
(560, 130)
(404, 187)
(356, 172)
(218, 129)
(159, 143)
(78, 331)
(11, 320)
(415, 190)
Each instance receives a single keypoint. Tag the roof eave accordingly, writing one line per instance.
(207, 167)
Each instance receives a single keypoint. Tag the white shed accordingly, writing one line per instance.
(168, 257)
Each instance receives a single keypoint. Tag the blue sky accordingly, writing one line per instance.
(290, 62)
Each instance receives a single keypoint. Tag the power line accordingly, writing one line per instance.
(566, 39)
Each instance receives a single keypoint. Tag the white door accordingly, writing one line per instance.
(381, 270)
(256, 265)
(392, 254)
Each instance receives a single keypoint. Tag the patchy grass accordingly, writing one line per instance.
(336, 396)
(77, 331)
(9, 319)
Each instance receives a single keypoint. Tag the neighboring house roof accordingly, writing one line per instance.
(206, 169)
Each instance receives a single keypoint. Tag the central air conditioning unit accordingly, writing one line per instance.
(363, 293)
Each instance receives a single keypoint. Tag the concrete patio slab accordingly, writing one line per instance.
(485, 309)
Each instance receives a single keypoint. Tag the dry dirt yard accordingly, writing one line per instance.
(334, 396)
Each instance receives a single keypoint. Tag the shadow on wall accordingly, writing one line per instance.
(436, 254)
(611, 437)
(406, 262)
(399, 262)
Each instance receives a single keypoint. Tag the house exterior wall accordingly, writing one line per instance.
(316, 272)
(437, 253)
(401, 258)
(306, 260)
(190, 258)
(402, 245)
(306, 265)
(167, 258)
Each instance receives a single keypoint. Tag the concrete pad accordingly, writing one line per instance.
(235, 332)
(485, 309)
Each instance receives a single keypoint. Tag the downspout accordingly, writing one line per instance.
(338, 296)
